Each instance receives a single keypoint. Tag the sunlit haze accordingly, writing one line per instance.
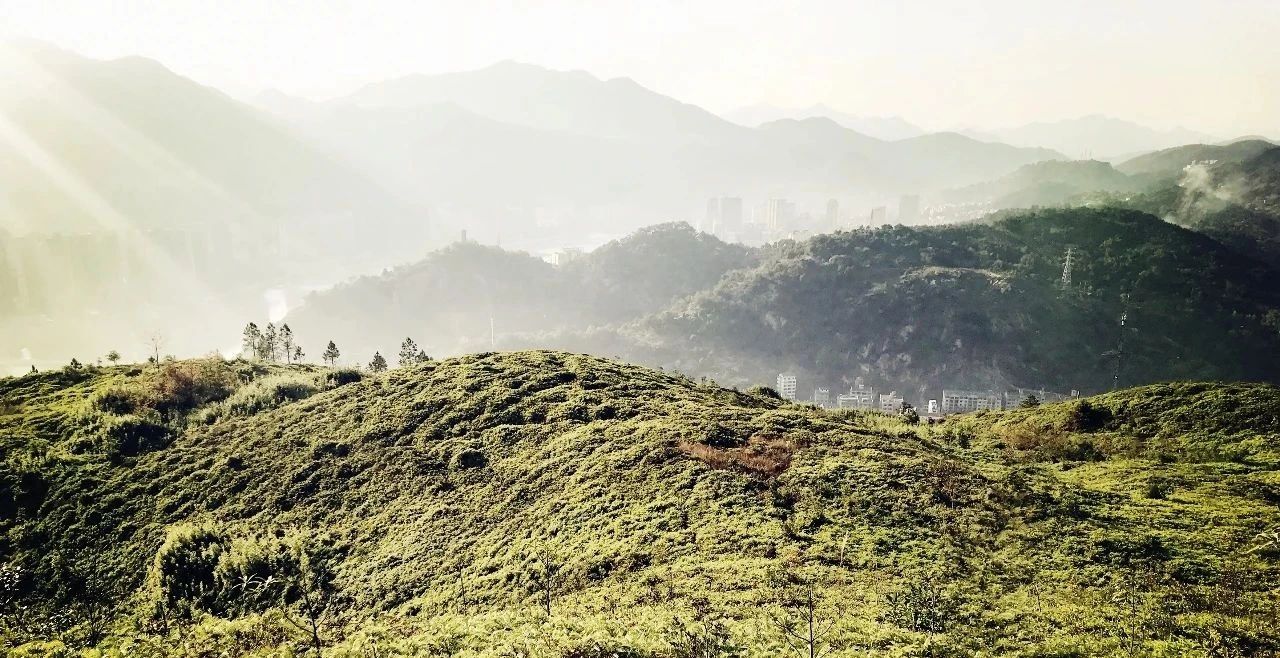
(1208, 66)
(577, 329)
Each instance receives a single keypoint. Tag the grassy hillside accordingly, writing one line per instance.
(553, 504)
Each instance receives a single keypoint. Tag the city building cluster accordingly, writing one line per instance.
(952, 401)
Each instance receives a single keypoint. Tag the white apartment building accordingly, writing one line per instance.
(787, 386)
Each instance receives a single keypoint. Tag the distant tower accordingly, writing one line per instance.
(833, 213)
(712, 222)
(1124, 318)
(1066, 270)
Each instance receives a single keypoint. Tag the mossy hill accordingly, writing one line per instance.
(554, 504)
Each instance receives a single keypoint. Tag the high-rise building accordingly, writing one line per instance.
(908, 209)
(822, 397)
(787, 386)
(833, 214)
(879, 216)
(709, 224)
(724, 216)
(779, 214)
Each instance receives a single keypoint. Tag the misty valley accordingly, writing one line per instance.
(523, 361)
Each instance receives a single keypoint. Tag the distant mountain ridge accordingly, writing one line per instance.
(1097, 136)
(566, 101)
(639, 146)
(888, 128)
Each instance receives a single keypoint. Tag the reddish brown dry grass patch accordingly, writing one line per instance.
(764, 456)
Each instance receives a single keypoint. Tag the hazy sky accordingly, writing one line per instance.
(1209, 65)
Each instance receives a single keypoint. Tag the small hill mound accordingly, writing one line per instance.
(451, 300)
(1167, 164)
(1183, 421)
(1048, 183)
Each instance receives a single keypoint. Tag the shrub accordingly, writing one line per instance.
(185, 385)
(340, 377)
(764, 392)
(1085, 417)
(121, 400)
(246, 571)
(262, 395)
(764, 456)
(469, 458)
(185, 566)
(131, 435)
(1158, 487)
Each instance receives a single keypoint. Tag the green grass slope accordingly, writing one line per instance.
(552, 504)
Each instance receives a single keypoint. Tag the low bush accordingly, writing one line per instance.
(340, 377)
(262, 394)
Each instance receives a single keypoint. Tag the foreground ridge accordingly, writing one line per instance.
(548, 503)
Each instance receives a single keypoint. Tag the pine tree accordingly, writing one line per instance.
(378, 364)
(252, 340)
(297, 354)
(331, 354)
(409, 353)
(422, 356)
(286, 341)
(270, 342)
(113, 356)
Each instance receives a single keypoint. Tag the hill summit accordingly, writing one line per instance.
(555, 504)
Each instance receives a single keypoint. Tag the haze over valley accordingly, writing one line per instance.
(669, 330)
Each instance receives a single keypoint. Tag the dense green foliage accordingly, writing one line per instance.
(908, 308)
(552, 504)
(981, 305)
(1236, 201)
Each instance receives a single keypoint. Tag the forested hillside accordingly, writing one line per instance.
(552, 504)
(909, 308)
(1049, 183)
(983, 305)
(1235, 200)
(447, 301)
